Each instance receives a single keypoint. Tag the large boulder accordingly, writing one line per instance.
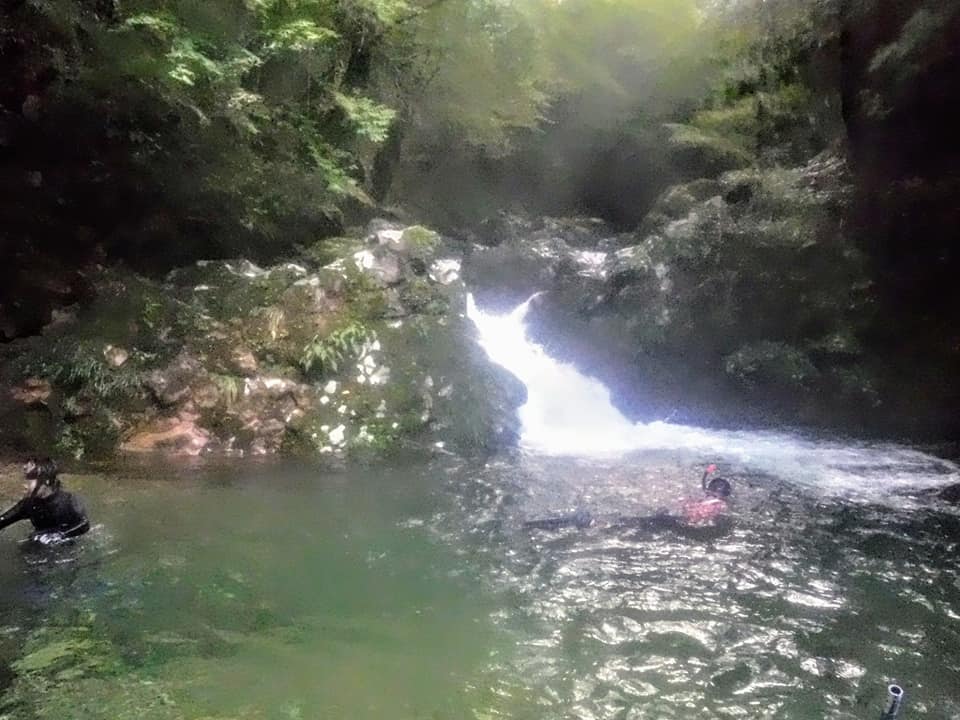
(360, 348)
(764, 258)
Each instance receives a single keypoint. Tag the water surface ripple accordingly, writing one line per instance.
(798, 607)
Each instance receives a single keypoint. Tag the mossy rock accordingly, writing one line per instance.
(329, 250)
(703, 153)
(421, 243)
(420, 296)
(365, 299)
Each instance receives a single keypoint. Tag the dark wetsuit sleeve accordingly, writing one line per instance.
(20, 511)
(81, 523)
(69, 516)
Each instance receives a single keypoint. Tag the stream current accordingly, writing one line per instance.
(414, 589)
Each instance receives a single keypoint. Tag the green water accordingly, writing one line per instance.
(414, 591)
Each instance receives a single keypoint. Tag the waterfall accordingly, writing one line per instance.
(570, 414)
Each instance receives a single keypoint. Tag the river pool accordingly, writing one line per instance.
(414, 590)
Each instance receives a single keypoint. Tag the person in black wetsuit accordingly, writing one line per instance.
(56, 514)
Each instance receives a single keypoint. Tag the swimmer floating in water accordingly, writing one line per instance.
(693, 512)
(717, 490)
(56, 514)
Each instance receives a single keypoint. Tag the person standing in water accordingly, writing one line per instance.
(56, 514)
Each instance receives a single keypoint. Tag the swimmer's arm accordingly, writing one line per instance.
(20, 511)
(79, 529)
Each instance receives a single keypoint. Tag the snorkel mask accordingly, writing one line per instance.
(716, 487)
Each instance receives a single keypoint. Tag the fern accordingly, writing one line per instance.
(161, 24)
(230, 387)
(299, 36)
(370, 119)
(327, 354)
(84, 369)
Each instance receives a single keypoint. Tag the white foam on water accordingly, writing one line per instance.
(570, 414)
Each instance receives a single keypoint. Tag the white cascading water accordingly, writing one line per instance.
(570, 414)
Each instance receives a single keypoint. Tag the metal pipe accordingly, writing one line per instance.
(894, 702)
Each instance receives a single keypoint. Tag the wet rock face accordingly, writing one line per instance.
(557, 253)
(763, 260)
(361, 346)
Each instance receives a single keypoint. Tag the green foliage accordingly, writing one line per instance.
(370, 119)
(87, 392)
(766, 102)
(327, 354)
(230, 387)
(276, 74)
(71, 442)
(384, 12)
(246, 123)
(483, 76)
(153, 313)
(420, 241)
(82, 368)
(299, 36)
(537, 88)
(329, 250)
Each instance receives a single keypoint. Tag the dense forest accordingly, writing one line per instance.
(778, 178)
